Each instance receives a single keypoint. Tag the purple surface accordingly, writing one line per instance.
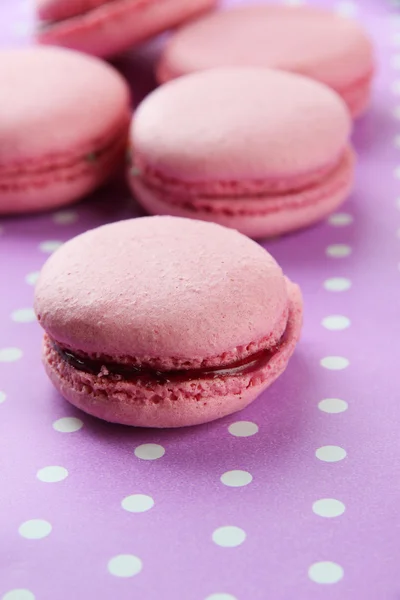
(286, 538)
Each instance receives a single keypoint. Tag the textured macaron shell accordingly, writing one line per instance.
(306, 40)
(109, 27)
(241, 125)
(163, 291)
(63, 126)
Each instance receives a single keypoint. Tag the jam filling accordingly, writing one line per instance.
(110, 370)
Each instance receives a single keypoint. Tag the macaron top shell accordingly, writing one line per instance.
(301, 39)
(165, 291)
(55, 101)
(241, 124)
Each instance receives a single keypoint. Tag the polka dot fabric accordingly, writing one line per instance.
(295, 497)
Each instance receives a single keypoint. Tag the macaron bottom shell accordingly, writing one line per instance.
(166, 405)
(54, 183)
(260, 217)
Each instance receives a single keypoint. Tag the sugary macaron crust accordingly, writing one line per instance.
(301, 39)
(105, 28)
(262, 151)
(63, 127)
(165, 322)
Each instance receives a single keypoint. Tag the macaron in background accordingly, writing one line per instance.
(262, 151)
(63, 127)
(107, 27)
(165, 322)
(301, 39)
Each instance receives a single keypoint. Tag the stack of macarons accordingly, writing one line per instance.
(250, 127)
(179, 318)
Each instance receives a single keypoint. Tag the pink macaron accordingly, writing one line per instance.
(258, 150)
(63, 127)
(106, 27)
(306, 40)
(165, 322)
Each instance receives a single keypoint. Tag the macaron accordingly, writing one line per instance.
(262, 151)
(301, 39)
(165, 322)
(63, 127)
(107, 27)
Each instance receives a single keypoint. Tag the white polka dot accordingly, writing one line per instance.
(32, 278)
(221, 596)
(336, 322)
(396, 39)
(335, 363)
(10, 354)
(396, 65)
(137, 503)
(330, 453)
(243, 429)
(394, 20)
(325, 572)
(19, 594)
(229, 536)
(125, 565)
(396, 173)
(333, 406)
(65, 217)
(236, 478)
(36, 529)
(149, 451)
(68, 424)
(340, 219)
(337, 284)
(328, 507)
(52, 474)
(2, 397)
(338, 250)
(346, 9)
(49, 246)
(23, 315)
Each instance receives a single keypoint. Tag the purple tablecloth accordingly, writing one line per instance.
(295, 498)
